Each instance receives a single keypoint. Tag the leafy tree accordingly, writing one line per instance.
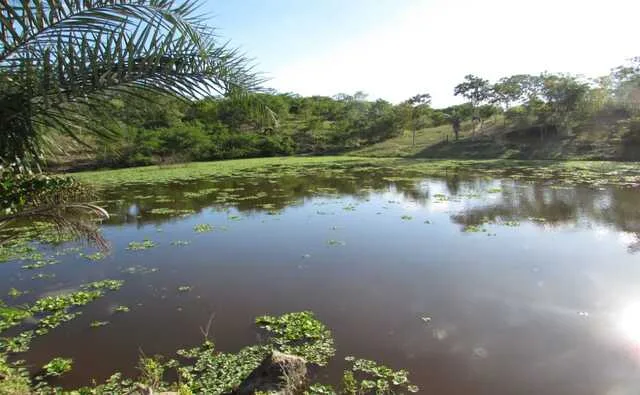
(62, 64)
(624, 85)
(417, 102)
(508, 90)
(62, 60)
(474, 89)
(564, 95)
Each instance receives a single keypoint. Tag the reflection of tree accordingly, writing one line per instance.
(453, 184)
(549, 206)
(251, 193)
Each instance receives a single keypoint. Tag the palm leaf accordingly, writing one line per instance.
(62, 57)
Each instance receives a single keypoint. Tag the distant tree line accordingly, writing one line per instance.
(164, 129)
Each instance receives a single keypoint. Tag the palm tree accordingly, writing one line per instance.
(63, 61)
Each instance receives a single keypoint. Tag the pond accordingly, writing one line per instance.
(475, 284)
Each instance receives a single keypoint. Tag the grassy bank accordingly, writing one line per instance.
(596, 140)
(588, 172)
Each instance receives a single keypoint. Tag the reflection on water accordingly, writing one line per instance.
(629, 322)
(475, 285)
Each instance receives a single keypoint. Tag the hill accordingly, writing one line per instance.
(598, 139)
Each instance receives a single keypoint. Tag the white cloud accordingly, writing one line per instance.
(431, 46)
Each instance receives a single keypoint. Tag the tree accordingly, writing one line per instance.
(63, 62)
(625, 84)
(417, 102)
(508, 90)
(456, 121)
(474, 89)
(565, 96)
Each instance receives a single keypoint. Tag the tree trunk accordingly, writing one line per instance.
(413, 139)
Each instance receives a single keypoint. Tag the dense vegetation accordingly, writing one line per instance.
(161, 129)
(120, 83)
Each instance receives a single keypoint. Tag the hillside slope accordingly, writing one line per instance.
(595, 140)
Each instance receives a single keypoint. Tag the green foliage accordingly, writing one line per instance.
(52, 53)
(98, 324)
(109, 285)
(300, 334)
(57, 367)
(138, 246)
(58, 201)
(15, 293)
(475, 89)
(203, 228)
(376, 378)
(204, 370)
(14, 379)
(12, 316)
(19, 343)
(96, 256)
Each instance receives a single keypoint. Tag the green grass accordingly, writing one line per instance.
(572, 172)
(196, 170)
(402, 146)
(498, 141)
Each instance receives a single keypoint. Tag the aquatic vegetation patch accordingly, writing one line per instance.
(40, 264)
(110, 285)
(12, 316)
(299, 334)
(139, 269)
(43, 276)
(57, 367)
(98, 324)
(336, 243)
(511, 223)
(55, 310)
(474, 228)
(122, 309)
(203, 228)
(17, 344)
(377, 378)
(15, 293)
(96, 256)
(171, 211)
(406, 218)
(138, 246)
(439, 197)
(205, 370)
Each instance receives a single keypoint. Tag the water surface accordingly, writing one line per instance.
(475, 285)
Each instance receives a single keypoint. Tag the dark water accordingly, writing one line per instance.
(541, 294)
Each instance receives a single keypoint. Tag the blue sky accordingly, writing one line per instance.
(393, 49)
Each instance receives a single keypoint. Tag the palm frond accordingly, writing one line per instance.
(62, 57)
(60, 201)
